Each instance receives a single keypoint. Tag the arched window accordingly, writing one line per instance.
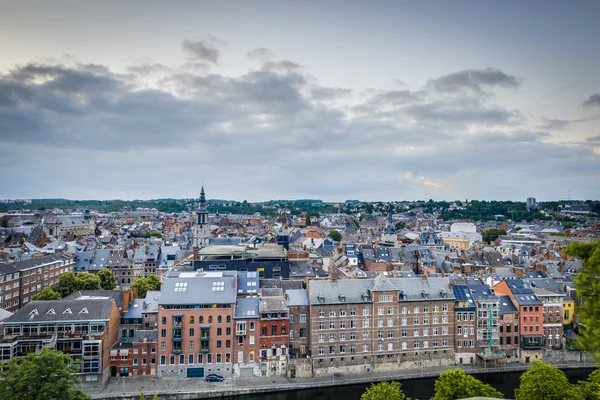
(192, 320)
(219, 319)
(201, 319)
(210, 319)
(228, 319)
(164, 320)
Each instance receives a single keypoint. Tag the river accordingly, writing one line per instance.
(417, 389)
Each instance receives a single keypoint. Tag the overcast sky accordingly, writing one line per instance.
(336, 100)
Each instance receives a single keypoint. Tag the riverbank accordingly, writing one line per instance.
(197, 388)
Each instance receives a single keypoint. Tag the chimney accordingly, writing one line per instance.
(195, 253)
(127, 297)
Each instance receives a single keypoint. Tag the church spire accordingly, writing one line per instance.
(202, 211)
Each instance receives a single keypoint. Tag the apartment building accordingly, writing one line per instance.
(553, 316)
(531, 317)
(508, 328)
(23, 279)
(84, 328)
(246, 345)
(299, 306)
(196, 322)
(465, 310)
(273, 336)
(381, 323)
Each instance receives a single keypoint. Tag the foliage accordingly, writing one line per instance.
(156, 397)
(47, 294)
(384, 391)
(545, 382)
(49, 375)
(107, 279)
(142, 396)
(455, 384)
(400, 225)
(308, 221)
(143, 285)
(588, 293)
(492, 234)
(335, 235)
(591, 388)
(70, 283)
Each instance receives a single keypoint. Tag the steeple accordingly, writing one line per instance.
(202, 211)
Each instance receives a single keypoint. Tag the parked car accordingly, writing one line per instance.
(214, 378)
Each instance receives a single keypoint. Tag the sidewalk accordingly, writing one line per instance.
(130, 387)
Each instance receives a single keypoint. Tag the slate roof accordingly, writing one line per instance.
(424, 289)
(116, 295)
(63, 310)
(136, 307)
(272, 303)
(145, 336)
(506, 306)
(31, 263)
(482, 293)
(382, 284)
(297, 297)
(247, 308)
(523, 293)
(190, 288)
(152, 299)
(352, 290)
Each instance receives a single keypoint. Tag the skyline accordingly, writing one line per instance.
(273, 100)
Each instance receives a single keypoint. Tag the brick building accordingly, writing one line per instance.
(273, 339)
(246, 345)
(508, 328)
(23, 279)
(299, 306)
(553, 316)
(531, 317)
(195, 328)
(466, 325)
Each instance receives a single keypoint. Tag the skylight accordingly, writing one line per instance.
(180, 287)
(218, 286)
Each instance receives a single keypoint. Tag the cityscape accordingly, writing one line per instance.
(297, 200)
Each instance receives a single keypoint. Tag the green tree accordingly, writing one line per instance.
(67, 284)
(156, 397)
(545, 382)
(308, 221)
(335, 235)
(588, 293)
(455, 384)
(47, 294)
(45, 376)
(400, 225)
(142, 396)
(107, 279)
(87, 281)
(141, 287)
(153, 282)
(384, 391)
(492, 234)
(591, 388)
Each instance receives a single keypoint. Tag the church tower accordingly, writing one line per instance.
(201, 233)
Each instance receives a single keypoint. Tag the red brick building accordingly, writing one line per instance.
(273, 337)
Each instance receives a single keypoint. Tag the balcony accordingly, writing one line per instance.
(240, 333)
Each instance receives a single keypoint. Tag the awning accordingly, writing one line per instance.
(114, 352)
(123, 352)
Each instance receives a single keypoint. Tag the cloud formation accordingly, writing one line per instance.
(201, 51)
(593, 100)
(84, 131)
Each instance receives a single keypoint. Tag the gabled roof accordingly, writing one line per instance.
(64, 310)
(382, 284)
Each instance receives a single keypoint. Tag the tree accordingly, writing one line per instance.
(588, 292)
(45, 376)
(455, 384)
(308, 221)
(384, 391)
(400, 225)
(156, 397)
(141, 287)
(335, 235)
(87, 281)
(591, 388)
(67, 284)
(153, 282)
(47, 294)
(107, 279)
(545, 382)
(142, 395)
(492, 234)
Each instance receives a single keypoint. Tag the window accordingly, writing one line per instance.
(332, 337)
(342, 324)
(444, 342)
(404, 332)
(163, 333)
(164, 320)
(436, 320)
(192, 332)
(321, 350)
(444, 319)
(379, 346)
(191, 345)
(380, 310)
(163, 360)
(352, 335)
(390, 322)
(416, 344)
(219, 331)
(426, 344)
(331, 325)
(444, 330)
(415, 320)
(385, 298)
(416, 332)
(331, 349)
(228, 331)
(435, 343)
(219, 320)
(283, 330)
(390, 310)
(365, 348)
(404, 345)
(321, 313)
(426, 319)
(416, 309)
(302, 318)
(190, 359)
(163, 346)
(321, 327)
(353, 311)
(404, 309)
(365, 323)
(342, 337)
(219, 344)
(365, 311)
(331, 313)
(321, 338)
(426, 308)
(435, 308)
(191, 320)
(291, 318)
(365, 335)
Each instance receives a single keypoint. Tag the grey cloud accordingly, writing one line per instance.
(593, 100)
(261, 53)
(593, 140)
(474, 79)
(202, 51)
(250, 133)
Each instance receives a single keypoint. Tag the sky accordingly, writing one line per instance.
(335, 100)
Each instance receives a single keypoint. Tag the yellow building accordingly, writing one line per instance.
(569, 310)
(457, 243)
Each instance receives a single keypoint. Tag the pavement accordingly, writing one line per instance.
(130, 387)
